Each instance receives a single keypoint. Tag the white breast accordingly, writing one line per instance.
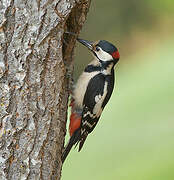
(81, 86)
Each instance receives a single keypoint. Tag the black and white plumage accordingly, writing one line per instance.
(93, 89)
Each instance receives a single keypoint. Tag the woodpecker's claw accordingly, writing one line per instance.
(86, 43)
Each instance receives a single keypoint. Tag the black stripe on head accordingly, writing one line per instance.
(107, 46)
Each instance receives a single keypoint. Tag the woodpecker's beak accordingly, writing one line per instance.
(86, 43)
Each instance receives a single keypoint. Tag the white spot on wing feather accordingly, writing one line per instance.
(88, 124)
(97, 108)
(97, 98)
(90, 114)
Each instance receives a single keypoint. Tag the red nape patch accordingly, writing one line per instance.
(116, 55)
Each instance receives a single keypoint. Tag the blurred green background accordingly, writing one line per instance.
(134, 139)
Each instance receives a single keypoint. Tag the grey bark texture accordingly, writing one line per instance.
(35, 71)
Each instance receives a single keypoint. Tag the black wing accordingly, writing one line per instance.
(98, 93)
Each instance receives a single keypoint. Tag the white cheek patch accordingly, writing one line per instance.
(104, 56)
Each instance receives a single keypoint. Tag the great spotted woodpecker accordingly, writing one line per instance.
(92, 92)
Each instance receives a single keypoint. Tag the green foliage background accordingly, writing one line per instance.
(134, 139)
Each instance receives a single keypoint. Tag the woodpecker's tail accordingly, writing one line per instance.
(73, 140)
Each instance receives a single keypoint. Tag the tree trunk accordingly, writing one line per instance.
(35, 71)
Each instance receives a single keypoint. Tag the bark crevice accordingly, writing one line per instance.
(35, 72)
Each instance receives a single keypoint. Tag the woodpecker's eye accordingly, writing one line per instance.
(97, 48)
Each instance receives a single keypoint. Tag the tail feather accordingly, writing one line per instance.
(82, 140)
(73, 140)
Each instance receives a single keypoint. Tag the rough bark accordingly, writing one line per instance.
(35, 70)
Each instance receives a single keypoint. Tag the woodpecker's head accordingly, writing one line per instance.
(103, 50)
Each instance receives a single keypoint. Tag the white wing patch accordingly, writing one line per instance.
(97, 98)
(99, 101)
